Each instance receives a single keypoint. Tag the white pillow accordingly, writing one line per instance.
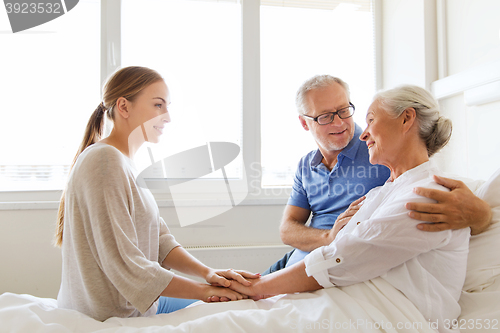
(483, 264)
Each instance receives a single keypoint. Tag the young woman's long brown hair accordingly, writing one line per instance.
(126, 82)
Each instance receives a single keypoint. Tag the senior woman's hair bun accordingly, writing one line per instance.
(435, 130)
(439, 136)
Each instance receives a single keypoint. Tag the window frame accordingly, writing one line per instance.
(251, 108)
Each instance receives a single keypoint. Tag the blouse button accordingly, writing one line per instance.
(358, 223)
(337, 260)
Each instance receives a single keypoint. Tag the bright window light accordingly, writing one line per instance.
(299, 41)
(50, 85)
(196, 47)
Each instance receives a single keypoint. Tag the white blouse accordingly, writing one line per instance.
(382, 240)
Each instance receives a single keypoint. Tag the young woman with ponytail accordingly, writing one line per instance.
(116, 249)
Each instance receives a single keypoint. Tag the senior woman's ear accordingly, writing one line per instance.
(409, 117)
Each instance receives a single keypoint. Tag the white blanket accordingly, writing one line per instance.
(372, 306)
(480, 310)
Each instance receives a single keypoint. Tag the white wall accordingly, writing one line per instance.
(29, 263)
(471, 37)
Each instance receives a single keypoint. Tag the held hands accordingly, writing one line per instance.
(250, 290)
(221, 294)
(457, 209)
(227, 278)
(344, 218)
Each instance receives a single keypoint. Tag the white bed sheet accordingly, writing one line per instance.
(480, 310)
(364, 307)
(372, 306)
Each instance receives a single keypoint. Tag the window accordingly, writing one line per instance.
(300, 39)
(232, 68)
(196, 46)
(50, 85)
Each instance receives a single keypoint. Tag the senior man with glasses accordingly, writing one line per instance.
(331, 181)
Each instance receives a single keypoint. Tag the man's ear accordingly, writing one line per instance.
(122, 105)
(303, 123)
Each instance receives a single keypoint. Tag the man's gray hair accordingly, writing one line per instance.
(316, 82)
(435, 130)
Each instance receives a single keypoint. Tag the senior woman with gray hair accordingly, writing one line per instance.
(404, 130)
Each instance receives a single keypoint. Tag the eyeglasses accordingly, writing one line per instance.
(327, 118)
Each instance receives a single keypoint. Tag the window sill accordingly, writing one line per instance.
(49, 200)
(165, 203)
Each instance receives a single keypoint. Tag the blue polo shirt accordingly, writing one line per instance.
(328, 193)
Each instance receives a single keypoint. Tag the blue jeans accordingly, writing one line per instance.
(280, 264)
(170, 304)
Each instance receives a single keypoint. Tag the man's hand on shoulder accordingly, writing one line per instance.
(456, 209)
(344, 218)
